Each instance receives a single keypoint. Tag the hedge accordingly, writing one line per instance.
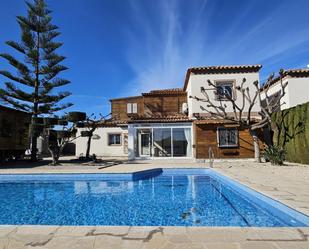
(294, 132)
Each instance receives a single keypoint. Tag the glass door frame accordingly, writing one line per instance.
(171, 127)
(149, 145)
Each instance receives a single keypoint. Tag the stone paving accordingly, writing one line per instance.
(288, 184)
(51, 237)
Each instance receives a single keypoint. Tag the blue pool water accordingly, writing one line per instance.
(168, 198)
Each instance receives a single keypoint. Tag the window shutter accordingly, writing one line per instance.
(134, 108)
(129, 108)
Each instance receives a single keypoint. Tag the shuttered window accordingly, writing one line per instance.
(131, 107)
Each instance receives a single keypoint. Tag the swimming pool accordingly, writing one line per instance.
(168, 197)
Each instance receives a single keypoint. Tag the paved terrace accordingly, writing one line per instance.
(288, 184)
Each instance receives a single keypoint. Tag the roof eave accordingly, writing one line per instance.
(220, 69)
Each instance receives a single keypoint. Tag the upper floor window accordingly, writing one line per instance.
(227, 137)
(131, 108)
(224, 90)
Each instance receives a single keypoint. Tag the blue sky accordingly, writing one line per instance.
(123, 47)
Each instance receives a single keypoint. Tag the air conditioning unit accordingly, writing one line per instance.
(184, 108)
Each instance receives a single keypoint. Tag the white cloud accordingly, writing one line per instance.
(172, 36)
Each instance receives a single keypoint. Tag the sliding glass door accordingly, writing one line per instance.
(181, 142)
(163, 142)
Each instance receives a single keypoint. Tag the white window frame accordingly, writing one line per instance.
(171, 126)
(131, 108)
(227, 145)
(114, 140)
(224, 83)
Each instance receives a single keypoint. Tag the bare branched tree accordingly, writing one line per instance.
(57, 140)
(242, 110)
(271, 103)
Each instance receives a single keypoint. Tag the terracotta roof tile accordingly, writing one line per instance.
(161, 119)
(294, 73)
(226, 67)
(113, 123)
(170, 91)
(220, 69)
(121, 98)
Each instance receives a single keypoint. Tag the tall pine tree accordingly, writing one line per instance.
(31, 87)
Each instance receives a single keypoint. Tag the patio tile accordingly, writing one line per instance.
(174, 230)
(258, 245)
(73, 231)
(294, 245)
(29, 240)
(190, 246)
(178, 238)
(107, 242)
(42, 230)
(265, 234)
(109, 230)
(132, 244)
(217, 234)
(5, 230)
(4, 243)
(158, 240)
(222, 245)
(70, 243)
(13, 244)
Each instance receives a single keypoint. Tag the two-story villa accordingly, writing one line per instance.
(169, 124)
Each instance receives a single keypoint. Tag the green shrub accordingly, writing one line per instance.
(275, 155)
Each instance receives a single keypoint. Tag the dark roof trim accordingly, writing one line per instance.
(220, 70)
(158, 119)
(172, 91)
(123, 98)
(160, 92)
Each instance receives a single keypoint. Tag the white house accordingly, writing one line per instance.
(296, 90)
(165, 123)
(169, 124)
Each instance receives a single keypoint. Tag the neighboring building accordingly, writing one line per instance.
(14, 132)
(295, 92)
(169, 124)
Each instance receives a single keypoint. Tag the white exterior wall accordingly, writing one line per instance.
(298, 91)
(200, 80)
(100, 146)
(275, 88)
(295, 92)
(131, 139)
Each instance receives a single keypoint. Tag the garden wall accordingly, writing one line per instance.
(294, 132)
